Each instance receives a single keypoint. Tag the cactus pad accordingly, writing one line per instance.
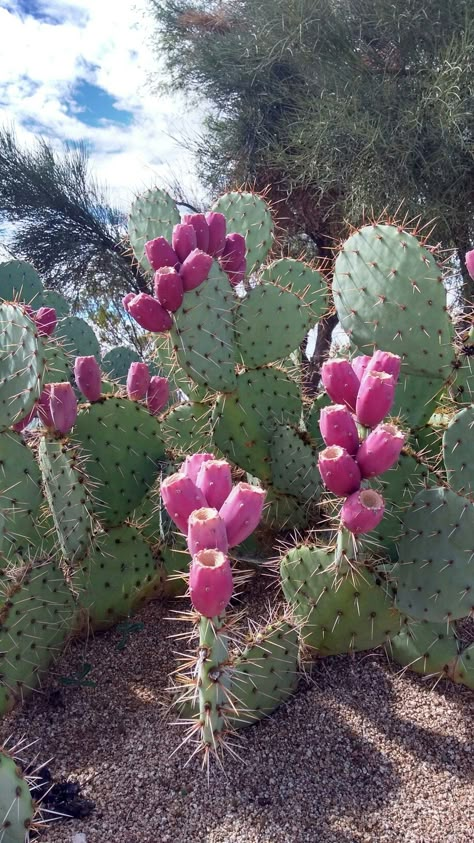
(301, 279)
(203, 333)
(435, 576)
(22, 365)
(295, 464)
(122, 447)
(51, 298)
(153, 214)
(78, 338)
(337, 614)
(186, 428)
(17, 808)
(244, 422)
(427, 648)
(117, 362)
(270, 323)
(464, 669)
(458, 451)
(19, 281)
(249, 215)
(20, 492)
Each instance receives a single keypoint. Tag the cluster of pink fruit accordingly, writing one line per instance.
(214, 515)
(184, 264)
(364, 391)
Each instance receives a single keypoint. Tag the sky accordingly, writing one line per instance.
(79, 70)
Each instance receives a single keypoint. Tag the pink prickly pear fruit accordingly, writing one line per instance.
(160, 253)
(339, 428)
(210, 582)
(241, 511)
(43, 407)
(192, 465)
(239, 275)
(181, 497)
(217, 225)
(380, 450)
(201, 228)
(375, 398)
(127, 299)
(183, 240)
(24, 422)
(215, 481)
(169, 288)
(234, 252)
(385, 361)
(195, 269)
(362, 511)
(360, 363)
(340, 382)
(157, 395)
(138, 380)
(206, 531)
(470, 263)
(88, 377)
(149, 313)
(46, 321)
(63, 406)
(339, 471)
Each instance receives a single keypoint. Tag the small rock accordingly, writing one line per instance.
(79, 837)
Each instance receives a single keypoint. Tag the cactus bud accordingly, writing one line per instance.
(46, 321)
(375, 398)
(138, 380)
(181, 497)
(127, 299)
(360, 363)
(193, 463)
(380, 450)
(199, 223)
(339, 428)
(242, 511)
(43, 407)
(169, 288)
(210, 582)
(195, 269)
(340, 382)
(63, 407)
(88, 377)
(217, 225)
(160, 253)
(24, 422)
(206, 531)
(215, 481)
(385, 361)
(149, 313)
(239, 274)
(157, 395)
(183, 240)
(470, 263)
(339, 471)
(235, 250)
(362, 511)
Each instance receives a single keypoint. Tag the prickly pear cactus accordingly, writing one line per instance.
(17, 808)
(20, 282)
(152, 214)
(22, 364)
(249, 215)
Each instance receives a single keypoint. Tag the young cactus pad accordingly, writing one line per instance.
(153, 214)
(249, 215)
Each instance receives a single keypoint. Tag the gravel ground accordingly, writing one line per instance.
(362, 754)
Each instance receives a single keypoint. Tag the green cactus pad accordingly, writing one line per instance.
(117, 577)
(462, 381)
(270, 323)
(284, 512)
(116, 363)
(265, 674)
(249, 215)
(186, 428)
(20, 492)
(68, 496)
(51, 298)
(389, 294)
(435, 576)
(122, 446)
(427, 648)
(22, 365)
(17, 808)
(311, 419)
(295, 464)
(19, 281)
(244, 422)
(336, 614)
(458, 451)
(301, 279)
(58, 364)
(153, 214)
(416, 398)
(203, 333)
(36, 615)
(464, 669)
(78, 338)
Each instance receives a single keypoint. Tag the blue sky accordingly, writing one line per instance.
(79, 70)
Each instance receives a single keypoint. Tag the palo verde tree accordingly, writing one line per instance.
(341, 107)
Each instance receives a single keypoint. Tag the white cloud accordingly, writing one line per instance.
(106, 43)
